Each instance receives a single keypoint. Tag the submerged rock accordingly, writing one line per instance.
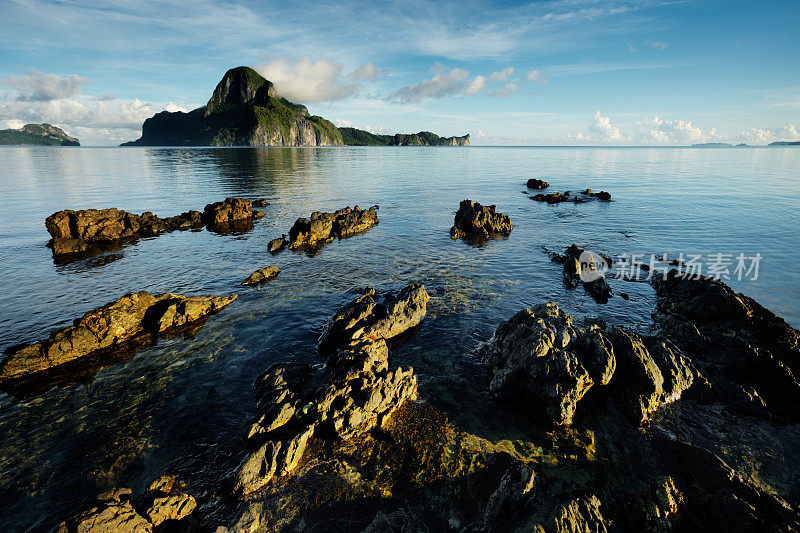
(534, 183)
(588, 268)
(371, 317)
(324, 227)
(262, 275)
(232, 214)
(474, 220)
(77, 232)
(110, 326)
(567, 196)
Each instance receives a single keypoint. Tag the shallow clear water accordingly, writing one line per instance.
(182, 405)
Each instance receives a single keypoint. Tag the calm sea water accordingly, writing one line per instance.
(182, 406)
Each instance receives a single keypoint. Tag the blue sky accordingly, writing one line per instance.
(558, 72)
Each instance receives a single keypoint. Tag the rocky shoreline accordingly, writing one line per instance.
(690, 423)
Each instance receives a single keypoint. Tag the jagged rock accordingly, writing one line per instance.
(262, 275)
(539, 358)
(580, 515)
(758, 352)
(274, 458)
(276, 245)
(534, 183)
(370, 317)
(75, 232)
(324, 227)
(598, 289)
(534, 361)
(476, 221)
(112, 511)
(230, 214)
(260, 202)
(110, 326)
(588, 267)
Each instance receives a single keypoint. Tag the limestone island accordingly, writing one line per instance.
(37, 135)
(246, 110)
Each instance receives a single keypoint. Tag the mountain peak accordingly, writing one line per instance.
(240, 86)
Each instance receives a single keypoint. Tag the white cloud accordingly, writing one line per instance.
(37, 86)
(443, 84)
(367, 72)
(502, 75)
(601, 129)
(307, 80)
(655, 130)
(172, 108)
(661, 45)
(765, 136)
(475, 86)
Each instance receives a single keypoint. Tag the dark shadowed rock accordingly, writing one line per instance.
(534, 183)
(260, 202)
(324, 227)
(584, 196)
(371, 317)
(476, 221)
(110, 326)
(262, 275)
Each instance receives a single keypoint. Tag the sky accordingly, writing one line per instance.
(563, 72)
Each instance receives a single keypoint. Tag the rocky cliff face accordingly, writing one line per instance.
(244, 110)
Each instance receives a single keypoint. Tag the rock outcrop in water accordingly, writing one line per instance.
(262, 275)
(534, 183)
(584, 196)
(109, 327)
(586, 268)
(163, 507)
(476, 221)
(78, 233)
(232, 214)
(354, 393)
(322, 228)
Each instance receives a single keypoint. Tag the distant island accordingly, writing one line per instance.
(245, 110)
(785, 143)
(37, 135)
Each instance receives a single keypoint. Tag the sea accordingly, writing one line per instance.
(183, 405)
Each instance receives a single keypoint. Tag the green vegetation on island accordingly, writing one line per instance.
(37, 135)
(356, 137)
(245, 110)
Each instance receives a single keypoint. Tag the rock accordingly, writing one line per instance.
(479, 222)
(579, 515)
(584, 196)
(324, 227)
(598, 289)
(112, 511)
(276, 245)
(354, 393)
(375, 318)
(232, 214)
(75, 232)
(539, 358)
(260, 202)
(534, 183)
(110, 326)
(262, 275)
(571, 272)
(588, 267)
(534, 362)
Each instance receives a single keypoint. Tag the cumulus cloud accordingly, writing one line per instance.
(502, 75)
(536, 77)
(602, 129)
(444, 83)
(367, 72)
(768, 135)
(306, 80)
(37, 86)
(660, 131)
